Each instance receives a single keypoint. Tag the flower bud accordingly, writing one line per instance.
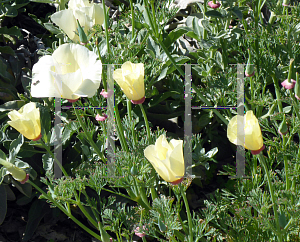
(214, 4)
(101, 118)
(283, 128)
(289, 83)
(134, 170)
(250, 66)
(140, 232)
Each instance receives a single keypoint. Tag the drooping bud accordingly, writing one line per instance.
(283, 128)
(82, 35)
(250, 66)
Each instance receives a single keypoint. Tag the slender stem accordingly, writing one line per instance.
(87, 135)
(153, 14)
(287, 180)
(262, 161)
(153, 193)
(54, 157)
(120, 130)
(100, 58)
(146, 123)
(64, 210)
(132, 18)
(106, 27)
(277, 91)
(83, 210)
(188, 213)
(131, 120)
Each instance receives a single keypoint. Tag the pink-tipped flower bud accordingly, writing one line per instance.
(101, 118)
(140, 232)
(214, 5)
(106, 94)
(288, 85)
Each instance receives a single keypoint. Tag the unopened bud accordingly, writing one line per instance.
(250, 66)
(283, 128)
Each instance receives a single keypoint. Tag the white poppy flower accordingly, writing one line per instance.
(71, 72)
(88, 14)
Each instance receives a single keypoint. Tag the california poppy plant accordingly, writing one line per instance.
(27, 121)
(167, 159)
(16, 172)
(131, 80)
(253, 137)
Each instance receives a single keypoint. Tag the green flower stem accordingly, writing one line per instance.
(263, 162)
(252, 88)
(188, 213)
(152, 25)
(290, 70)
(181, 222)
(287, 180)
(100, 58)
(277, 91)
(142, 193)
(83, 210)
(132, 18)
(87, 135)
(120, 130)
(131, 120)
(64, 210)
(153, 14)
(106, 27)
(146, 123)
(204, 17)
(54, 157)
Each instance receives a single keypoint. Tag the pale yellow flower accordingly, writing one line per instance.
(253, 137)
(71, 72)
(27, 121)
(131, 80)
(167, 159)
(88, 14)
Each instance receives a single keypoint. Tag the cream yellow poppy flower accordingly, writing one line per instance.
(131, 80)
(27, 121)
(167, 159)
(253, 137)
